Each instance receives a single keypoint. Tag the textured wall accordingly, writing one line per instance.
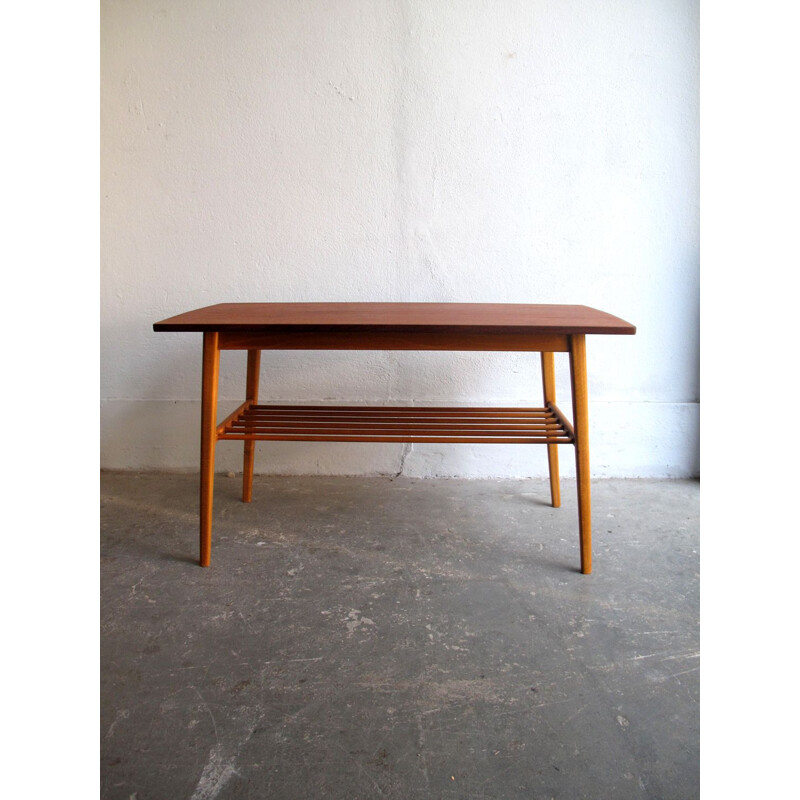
(525, 151)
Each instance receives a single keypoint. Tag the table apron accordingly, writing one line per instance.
(394, 340)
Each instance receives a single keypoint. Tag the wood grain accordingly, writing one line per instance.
(396, 326)
(549, 391)
(208, 440)
(580, 419)
(393, 424)
(393, 339)
(251, 390)
(478, 318)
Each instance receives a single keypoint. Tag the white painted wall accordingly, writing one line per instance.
(386, 150)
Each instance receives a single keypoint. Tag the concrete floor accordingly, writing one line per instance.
(369, 637)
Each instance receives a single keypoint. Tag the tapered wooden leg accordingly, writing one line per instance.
(549, 386)
(208, 441)
(253, 369)
(580, 409)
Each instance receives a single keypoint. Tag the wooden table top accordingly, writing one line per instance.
(484, 317)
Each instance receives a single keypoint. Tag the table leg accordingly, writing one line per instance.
(549, 386)
(253, 369)
(208, 441)
(580, 409)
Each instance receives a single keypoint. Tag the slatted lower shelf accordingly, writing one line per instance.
(397, 424)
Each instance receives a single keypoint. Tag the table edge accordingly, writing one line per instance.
(617, 330)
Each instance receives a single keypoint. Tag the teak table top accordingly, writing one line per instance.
(524, 318)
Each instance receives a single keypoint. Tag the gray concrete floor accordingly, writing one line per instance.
(369, 637)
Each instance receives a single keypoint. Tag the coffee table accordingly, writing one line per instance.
(254, 327)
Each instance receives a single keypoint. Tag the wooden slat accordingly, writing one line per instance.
(464, 418)
(405, 420)
(432, 409)
(562, 420)
(379, 430)
(395, 424)
(249, 422)
(381, 420)
(233, 415)
(399, 439)
(377, 411)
